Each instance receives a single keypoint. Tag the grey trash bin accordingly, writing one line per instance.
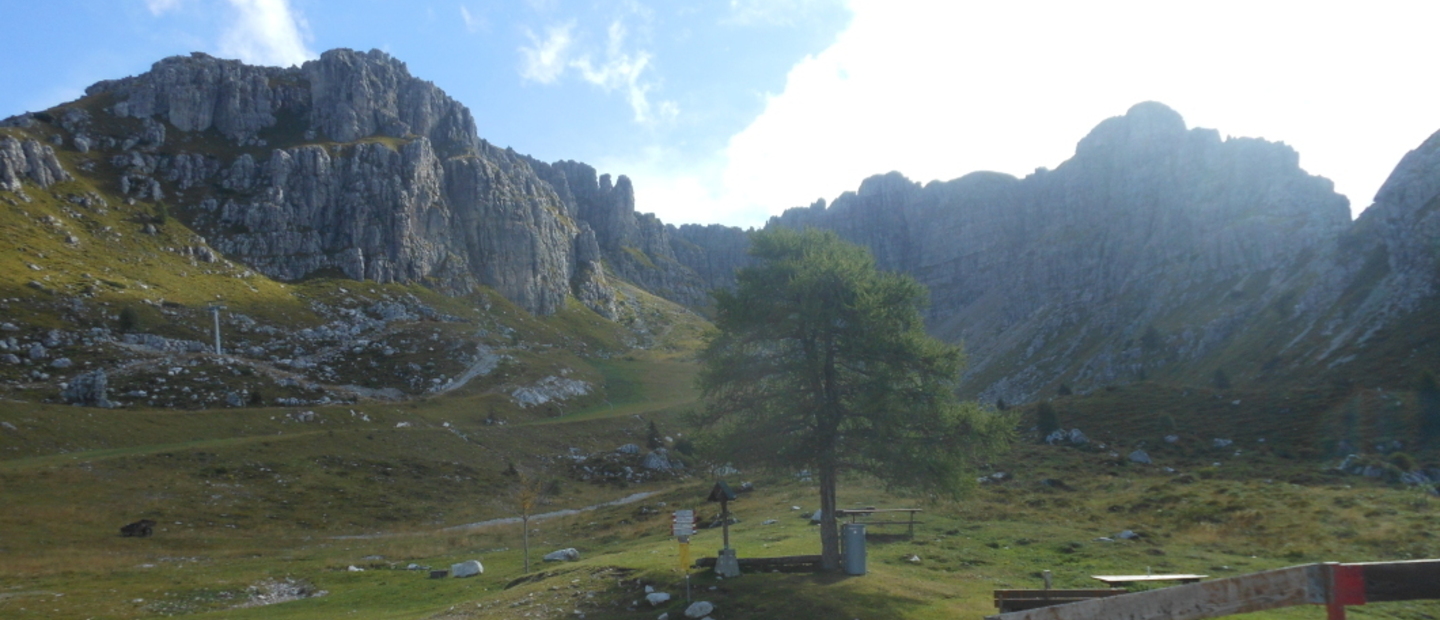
(852, 535)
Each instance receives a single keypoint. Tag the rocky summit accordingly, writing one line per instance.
(1157, 250)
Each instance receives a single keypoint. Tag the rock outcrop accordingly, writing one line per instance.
(638, 247)
(28, 160)
(370, 173)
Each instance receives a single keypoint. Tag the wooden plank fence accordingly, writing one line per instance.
(1330, 584)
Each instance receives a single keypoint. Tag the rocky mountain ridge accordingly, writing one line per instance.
(1154, 249)
(1157, 250)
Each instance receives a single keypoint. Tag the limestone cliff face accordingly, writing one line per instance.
(1057, 276)
(637, 247)
(28, 161)
(344, 96)
(347, 165)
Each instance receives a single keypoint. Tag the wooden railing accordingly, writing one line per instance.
(1331, 584)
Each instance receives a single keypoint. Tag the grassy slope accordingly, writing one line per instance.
(289, 489)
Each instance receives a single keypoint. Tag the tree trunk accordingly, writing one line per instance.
(525, 536)
(829, 532)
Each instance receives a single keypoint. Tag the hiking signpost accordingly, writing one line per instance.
(682, 526)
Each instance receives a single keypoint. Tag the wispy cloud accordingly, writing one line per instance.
(546, 59)
(160, 7)
(774, 12)
(268, 32)
(624, 71)
(472, 23)
(617, 68)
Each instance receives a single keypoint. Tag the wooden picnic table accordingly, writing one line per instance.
(855, 513)
(1120, 580)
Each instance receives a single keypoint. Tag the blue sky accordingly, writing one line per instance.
(731, 110)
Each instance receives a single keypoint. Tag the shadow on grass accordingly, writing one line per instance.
(805, 596)
(885, 539)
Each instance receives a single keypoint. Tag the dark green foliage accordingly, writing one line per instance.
(1427, 392)
(653, 438)
(162, 214)
(685, 446)
(1064, 390)
(1046, 420)
(129, 319)
(1221, 381)
(821, 362)
(1403, 461)
(1000, 404)
(256, 399)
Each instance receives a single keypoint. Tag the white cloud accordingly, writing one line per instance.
(938, 90)
(267, 32)
(617, 68)
(160, 7)
(622, 70)
(774, 12)
(546, 59)
(472, 24)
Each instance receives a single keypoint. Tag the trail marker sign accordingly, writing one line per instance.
(682, 525)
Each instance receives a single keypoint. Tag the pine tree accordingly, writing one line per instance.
(821, 361)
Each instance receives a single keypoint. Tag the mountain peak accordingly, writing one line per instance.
(1145, 126)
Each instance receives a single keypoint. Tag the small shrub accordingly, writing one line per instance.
(129, 319)
(1064, 390)
(652, 437)
(1046, 419)
(685, 446)
(1403, 461)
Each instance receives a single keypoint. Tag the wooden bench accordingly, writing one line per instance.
(856, 513)
(806, 562)
(1020, 600)
(1120, 580)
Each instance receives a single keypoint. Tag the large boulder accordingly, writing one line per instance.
(88, 390)
(468, 568)
(563, 555)
(658, 460)
(699, 609)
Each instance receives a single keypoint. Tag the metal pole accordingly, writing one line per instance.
(216, 311)
(725, 521)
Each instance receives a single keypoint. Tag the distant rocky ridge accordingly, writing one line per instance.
(1156, 250)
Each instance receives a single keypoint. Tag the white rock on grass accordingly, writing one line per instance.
(657, 598)
(469, 568)
(563, 555)
(699, 609)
